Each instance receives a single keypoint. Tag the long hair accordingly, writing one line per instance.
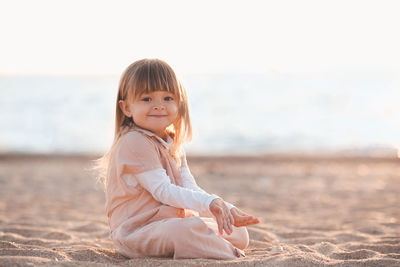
(146, 76)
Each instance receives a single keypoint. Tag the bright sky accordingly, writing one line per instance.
(208, 36)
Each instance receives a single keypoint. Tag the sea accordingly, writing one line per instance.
(324, 113)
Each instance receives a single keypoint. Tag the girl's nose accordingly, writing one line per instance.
(159, 107)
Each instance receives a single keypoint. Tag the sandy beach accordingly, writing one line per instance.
(314, 211)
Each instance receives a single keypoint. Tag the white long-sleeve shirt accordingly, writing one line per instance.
(190, 196)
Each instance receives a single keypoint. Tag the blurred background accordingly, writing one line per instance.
(262, 76)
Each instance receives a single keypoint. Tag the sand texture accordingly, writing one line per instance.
(320, 211)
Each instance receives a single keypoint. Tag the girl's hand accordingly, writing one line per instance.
(222, 215)
(241, 218)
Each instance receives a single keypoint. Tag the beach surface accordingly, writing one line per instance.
(314, 210)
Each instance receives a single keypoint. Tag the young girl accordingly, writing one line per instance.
(152, 199)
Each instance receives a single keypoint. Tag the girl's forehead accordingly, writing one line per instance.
(160, 92)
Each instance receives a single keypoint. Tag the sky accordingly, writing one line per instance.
(208, 36)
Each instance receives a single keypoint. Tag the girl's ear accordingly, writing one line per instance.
(124, 106)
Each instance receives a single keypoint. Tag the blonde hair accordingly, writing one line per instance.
(146, 76)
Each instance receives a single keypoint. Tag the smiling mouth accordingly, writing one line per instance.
(158, 116)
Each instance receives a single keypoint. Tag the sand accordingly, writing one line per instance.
(321, 211)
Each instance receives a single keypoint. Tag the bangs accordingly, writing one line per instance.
(152, 77)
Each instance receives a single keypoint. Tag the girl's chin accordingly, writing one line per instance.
(156, 128)
(159, 132)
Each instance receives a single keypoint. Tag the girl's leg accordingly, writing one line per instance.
(178, 237)
(239, 237)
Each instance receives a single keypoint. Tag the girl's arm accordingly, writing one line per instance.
(160, 187)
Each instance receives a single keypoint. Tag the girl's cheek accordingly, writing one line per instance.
(142, 107)
(175, 106)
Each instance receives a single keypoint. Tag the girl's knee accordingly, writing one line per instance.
(185, 226)
(193, 223)
(242, 239)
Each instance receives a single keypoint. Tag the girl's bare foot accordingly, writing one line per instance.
(242, 219)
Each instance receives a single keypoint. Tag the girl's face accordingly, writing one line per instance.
(154, 111)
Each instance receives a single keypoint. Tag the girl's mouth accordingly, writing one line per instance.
(158, 116)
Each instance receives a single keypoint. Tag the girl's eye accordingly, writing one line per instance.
(168, 98)
(146, 99)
